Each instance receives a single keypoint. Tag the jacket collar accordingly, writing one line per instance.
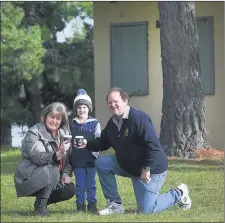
(126, 112)
(125, 115)
(89, 119)
(45, 134)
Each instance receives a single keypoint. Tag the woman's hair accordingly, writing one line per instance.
(53, 108)
(122, 93)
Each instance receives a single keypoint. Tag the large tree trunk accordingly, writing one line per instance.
(33, 96)
(183, 126)
(6, 137)
(36, 108)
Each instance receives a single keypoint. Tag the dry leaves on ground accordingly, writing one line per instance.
(208, 156)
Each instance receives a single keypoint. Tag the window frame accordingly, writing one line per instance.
(124, 24)
(211, 19)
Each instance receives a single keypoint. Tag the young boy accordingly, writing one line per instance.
(83, 161)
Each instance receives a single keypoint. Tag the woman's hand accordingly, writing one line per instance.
(60, 154)
(66, 179)
(64, 147)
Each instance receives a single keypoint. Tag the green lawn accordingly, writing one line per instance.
(206, 183)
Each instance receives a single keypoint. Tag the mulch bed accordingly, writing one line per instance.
(205, 157)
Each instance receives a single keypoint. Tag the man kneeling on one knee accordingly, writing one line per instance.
(138, 156)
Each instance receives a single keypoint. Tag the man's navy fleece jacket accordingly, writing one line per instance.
(136, 144)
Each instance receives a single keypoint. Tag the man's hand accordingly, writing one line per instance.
(66, 179)
(145, 176)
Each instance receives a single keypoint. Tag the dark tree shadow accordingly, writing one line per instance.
(62, 211)
(19, 212)
(31, 212)
(8, 164)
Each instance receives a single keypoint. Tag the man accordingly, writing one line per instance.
(138, 155)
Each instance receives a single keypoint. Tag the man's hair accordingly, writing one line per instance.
(123, 94)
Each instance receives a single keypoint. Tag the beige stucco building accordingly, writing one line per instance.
(108, 13)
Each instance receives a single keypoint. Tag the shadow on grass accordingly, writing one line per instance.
(8, 163)
(8, 169)
(52, 212)
(31, 212)
(130, 211)
(196, 165)
(12, 158)
(18, 212)
(127, 211)
(71, 211)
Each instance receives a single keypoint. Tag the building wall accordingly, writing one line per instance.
(106, 13)
(215, 112)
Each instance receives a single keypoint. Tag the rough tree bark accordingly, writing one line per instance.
(183, 126)
(33, 95)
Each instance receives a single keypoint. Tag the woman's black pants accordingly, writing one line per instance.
(63, 193)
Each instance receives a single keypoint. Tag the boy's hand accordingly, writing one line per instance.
(82, 146)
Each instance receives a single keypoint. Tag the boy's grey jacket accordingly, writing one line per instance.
(39, 161)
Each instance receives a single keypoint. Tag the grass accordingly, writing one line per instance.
(206, 183)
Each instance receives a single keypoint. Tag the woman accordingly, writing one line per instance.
(44, 171)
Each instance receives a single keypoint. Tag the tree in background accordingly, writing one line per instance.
(72, 69)
(63, 67)
(62, 73)
(183, 125)
(21, 53)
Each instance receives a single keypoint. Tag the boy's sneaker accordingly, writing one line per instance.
(91, 207)
(113, 208)
(81, 207)
(185, 201)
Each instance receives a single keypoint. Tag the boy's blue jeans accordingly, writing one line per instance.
(148, 198)
(85, 185)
